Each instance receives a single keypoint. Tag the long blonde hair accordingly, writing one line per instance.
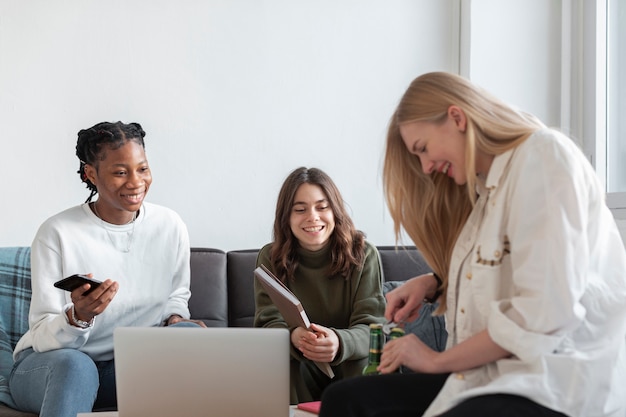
(432, 208)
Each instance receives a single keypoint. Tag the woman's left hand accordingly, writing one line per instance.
(320, 344)
(409, 351)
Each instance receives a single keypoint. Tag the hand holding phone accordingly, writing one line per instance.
(74, 281)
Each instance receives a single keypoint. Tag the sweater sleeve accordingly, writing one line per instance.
(368, 307)
(49, 328)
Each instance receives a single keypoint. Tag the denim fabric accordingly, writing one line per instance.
(57, 383)
(428, 328)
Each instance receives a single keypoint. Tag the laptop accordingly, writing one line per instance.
(198, 372)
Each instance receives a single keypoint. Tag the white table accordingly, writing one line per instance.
(115, 414)
(100, 414)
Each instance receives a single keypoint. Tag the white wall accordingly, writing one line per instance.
(233, 95)
(516, 53)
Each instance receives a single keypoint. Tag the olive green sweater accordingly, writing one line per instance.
(346, 306)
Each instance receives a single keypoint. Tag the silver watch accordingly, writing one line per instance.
(80, 323)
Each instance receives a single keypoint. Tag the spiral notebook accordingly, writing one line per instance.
(193, 372)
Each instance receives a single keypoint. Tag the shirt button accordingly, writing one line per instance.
(468, 275)
(496, 254)
(460, 376)
(462, 311)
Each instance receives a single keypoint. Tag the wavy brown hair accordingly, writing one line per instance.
(347, 245)
(432, 208)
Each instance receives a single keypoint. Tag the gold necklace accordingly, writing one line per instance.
(130, 237)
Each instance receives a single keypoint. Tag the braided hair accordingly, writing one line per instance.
(89, 148)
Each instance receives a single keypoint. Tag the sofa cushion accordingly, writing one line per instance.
(15, 292)
(402, 262)
(241, 265)
(208, 287)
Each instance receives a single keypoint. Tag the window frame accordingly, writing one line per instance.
(594, 105)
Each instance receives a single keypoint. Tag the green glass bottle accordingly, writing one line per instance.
(395, 333)
(376, 348)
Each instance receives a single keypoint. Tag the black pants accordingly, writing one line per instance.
(409, 395)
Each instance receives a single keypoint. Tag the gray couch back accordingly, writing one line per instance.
(222, 289)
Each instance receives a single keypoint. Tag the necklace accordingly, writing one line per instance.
(130, 237)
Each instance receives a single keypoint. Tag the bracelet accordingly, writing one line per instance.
(438, 292)
(80, 323)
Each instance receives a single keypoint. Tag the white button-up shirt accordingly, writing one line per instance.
(540, 264)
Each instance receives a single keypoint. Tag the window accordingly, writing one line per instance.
(615, 96)
(606, 37)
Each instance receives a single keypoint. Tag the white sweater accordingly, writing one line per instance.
(153, 276)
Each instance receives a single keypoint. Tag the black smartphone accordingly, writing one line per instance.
(72, 282)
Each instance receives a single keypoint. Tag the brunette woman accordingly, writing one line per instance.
(336, 274)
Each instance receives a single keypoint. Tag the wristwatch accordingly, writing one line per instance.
(80, 323)
(438, 292)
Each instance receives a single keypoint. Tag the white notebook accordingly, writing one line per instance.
(198, 372)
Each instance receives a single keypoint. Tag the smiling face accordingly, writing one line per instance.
(122, 178)
(442, 147)
(312, 220)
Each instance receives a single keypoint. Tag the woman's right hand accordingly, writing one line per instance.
(404, 302)
(86, 307)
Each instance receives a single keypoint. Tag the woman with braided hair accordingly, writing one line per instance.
(64, 363)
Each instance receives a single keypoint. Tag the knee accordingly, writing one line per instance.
(73, 365)
(47, 375)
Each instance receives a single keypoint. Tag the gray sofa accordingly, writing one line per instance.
(222, 296)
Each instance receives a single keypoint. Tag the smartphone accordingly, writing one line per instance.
(72, 282)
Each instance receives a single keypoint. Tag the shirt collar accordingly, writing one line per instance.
(498, 166)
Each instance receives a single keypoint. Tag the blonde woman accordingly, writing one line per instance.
(528, 259)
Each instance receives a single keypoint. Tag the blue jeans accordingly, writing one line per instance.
(64, 382)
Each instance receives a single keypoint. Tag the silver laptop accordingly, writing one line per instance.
(193, 372)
